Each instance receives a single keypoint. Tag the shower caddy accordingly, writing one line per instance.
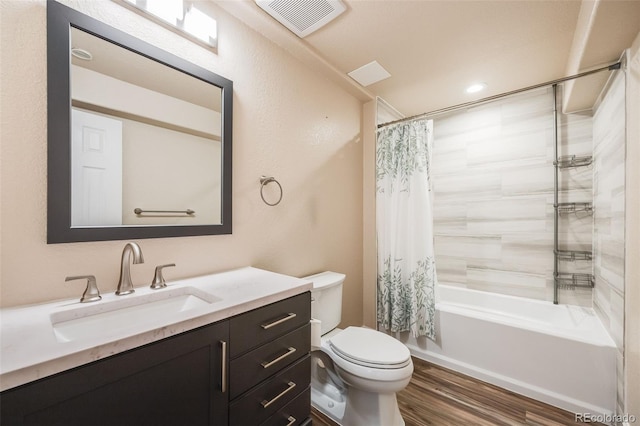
(567, 280)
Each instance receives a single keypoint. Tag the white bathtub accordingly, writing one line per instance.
(558, 354)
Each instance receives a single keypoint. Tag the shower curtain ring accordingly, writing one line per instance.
(264, 180)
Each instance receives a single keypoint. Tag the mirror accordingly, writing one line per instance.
(139, 140)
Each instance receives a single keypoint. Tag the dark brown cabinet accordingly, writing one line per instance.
(251, 369)
(175, 381)
(270, 364)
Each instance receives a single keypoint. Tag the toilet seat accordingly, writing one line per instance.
(370, 348)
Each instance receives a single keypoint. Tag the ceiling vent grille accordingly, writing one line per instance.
(302, 17)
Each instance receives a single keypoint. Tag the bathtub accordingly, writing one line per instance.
(558, 354)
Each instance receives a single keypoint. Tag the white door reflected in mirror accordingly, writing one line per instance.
(96, 175)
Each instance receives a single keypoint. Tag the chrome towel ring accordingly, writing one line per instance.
(264, 181)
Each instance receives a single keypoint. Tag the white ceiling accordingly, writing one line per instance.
(112, 60)
(435, 48)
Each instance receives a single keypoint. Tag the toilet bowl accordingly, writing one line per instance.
(355, 383)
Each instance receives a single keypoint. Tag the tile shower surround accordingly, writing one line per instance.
(492, 177)
(492, 173)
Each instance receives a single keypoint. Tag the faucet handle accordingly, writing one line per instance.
(91, 293)
(158, 279)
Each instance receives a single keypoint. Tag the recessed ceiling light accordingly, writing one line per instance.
(474, 88)
(81, 54)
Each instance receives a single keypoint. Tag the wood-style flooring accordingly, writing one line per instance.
(438, 396)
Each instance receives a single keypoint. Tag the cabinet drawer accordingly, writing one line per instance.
(268, 398)
(265, 324)
(257, 365)
(294, 413)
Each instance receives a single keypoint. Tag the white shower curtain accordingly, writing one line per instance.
(404, 223)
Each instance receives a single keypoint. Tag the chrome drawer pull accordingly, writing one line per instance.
(280, 321)
(292, 421)
(280, 358)
(266, 403)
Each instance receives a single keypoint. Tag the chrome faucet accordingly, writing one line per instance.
(125, 286)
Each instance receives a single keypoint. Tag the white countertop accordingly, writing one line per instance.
(31, 350)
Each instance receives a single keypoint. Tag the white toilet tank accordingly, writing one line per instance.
(326, 299)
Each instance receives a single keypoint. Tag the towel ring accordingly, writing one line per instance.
(264, 180)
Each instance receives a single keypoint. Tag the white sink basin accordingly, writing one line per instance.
(134, 312)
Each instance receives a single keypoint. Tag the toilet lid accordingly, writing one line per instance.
(370, 348)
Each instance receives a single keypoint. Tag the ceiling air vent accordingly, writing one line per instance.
(303, 17)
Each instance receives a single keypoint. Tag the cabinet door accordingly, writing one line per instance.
(175, 381)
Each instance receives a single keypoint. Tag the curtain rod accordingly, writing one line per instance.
(611, 67)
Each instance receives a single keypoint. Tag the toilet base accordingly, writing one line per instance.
(358, 408)
(328, 406)
(371, 409)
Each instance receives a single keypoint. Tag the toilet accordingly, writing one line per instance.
(357, 371)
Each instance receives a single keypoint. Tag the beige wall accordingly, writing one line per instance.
(289, 122)
(163, 169)
(369, 247)
(632, 248)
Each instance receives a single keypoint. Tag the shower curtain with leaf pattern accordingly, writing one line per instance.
(404, 226)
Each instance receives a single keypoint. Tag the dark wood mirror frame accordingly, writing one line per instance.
(60, 19)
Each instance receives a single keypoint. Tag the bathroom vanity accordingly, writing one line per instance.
(249, 365)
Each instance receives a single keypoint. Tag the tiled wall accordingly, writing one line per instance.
(609, 202)
(493, 196)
